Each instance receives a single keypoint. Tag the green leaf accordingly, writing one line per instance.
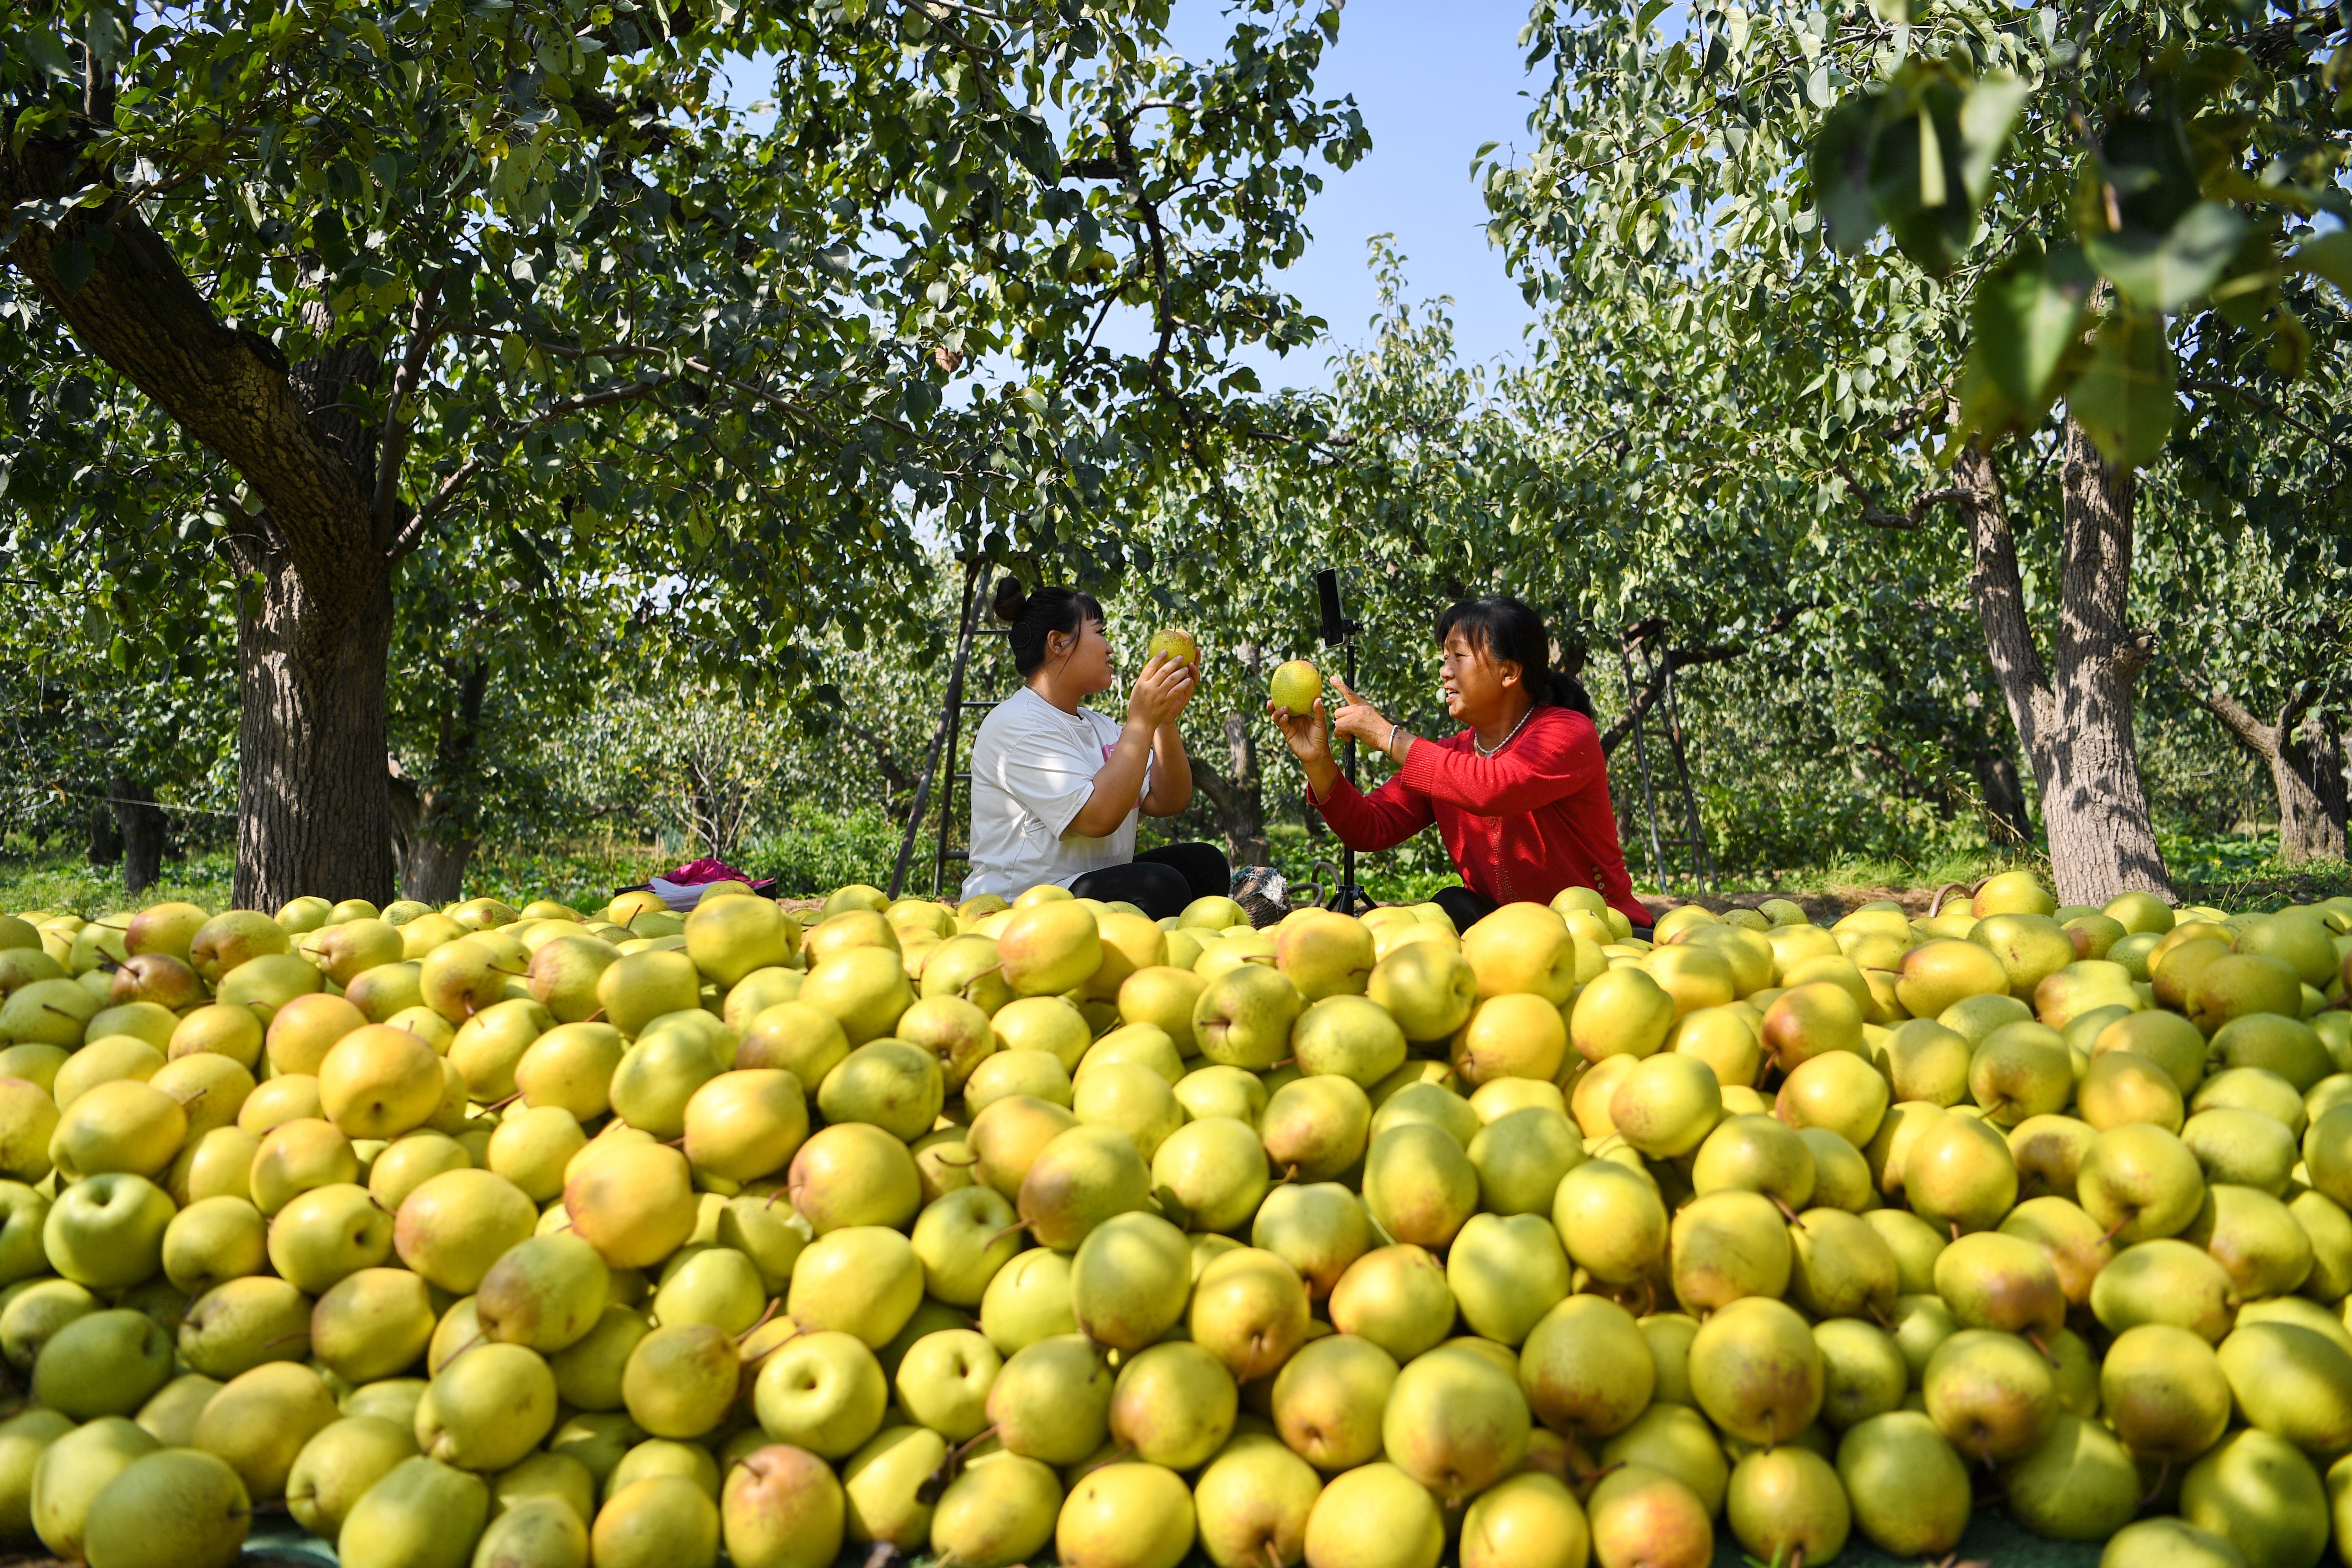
(2027, 313)
(2125, 396)
(1987, 116)
(1839, 167)
(2330, 256)
(2166, 272)
(72, 262)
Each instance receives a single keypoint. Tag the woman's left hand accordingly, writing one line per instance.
(1355, 718)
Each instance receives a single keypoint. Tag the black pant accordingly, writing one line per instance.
(1160, 882)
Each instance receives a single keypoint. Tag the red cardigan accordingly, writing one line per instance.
(1523, 824)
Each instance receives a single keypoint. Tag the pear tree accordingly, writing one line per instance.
(510, 296)
(1936, 257)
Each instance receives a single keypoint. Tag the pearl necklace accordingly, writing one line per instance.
(1505, 741)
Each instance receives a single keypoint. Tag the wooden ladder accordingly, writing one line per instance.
(945, 740)
(1691, 841)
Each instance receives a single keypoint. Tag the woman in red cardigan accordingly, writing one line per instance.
(1520, 795)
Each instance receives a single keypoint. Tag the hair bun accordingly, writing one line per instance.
(1010, 601)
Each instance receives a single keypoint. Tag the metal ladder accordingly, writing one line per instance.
(1692, 839)
(944, 741)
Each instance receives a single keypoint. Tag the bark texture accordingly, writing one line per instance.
(2307, 763)
(144, 831)
(314, 626)
(2073, 713)
(1238, 795)
(432, 837)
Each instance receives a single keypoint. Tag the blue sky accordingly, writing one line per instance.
(1433, 82)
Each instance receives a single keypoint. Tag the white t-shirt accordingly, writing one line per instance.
(1032, 769)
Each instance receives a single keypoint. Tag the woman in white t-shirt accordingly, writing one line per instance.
(1057, 788)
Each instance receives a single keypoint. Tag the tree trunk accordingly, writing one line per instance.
(2073, 715)
(105, 842)
(312, 795)
(2003, 793)
(1238, 798)
(314, 615)
(143, 833)
(2305, 763)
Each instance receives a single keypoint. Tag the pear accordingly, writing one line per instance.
(1406, 1097)
(1137, 1100)
(1316, 1128)
(106, 1232)
(1128, 1282)
(2048, 1152)
(2255, 1238)
(452, 1227)
(1050, 1025)
(571, 1067)
(1640, 1515)
(1757, 1372)
(662, 1521)
(1210, 1173)
(1428, 989)
(1611, 1221)
(1375, 1516)
(1520, 1158)
(1419, 1184)
(2242, 1147)
(1454, 1422)
(1527, 1520)
(2140, 1181)
(961, 1240)
(1244, 1018)
(1252, 1501)
(2165, 1392)
(714, 1284)
(1677, 1440)
(1586, 1368)
(328, 1233)
(1514, 1035)
(1811, 1019)
(1049, 948)
(885, 1485)
(2078, 1485)
(1017, 1071)
(422, 1514)
(1028, 1299)
(1724, 1038)
(1926, 1061)
(781, 1508)
(944, 1379)
(337, 1466)
(1939, 972)
(2260, 1493)
(177, 1509)
(1351, 1037)
(1125, 1516)
(855, 1174)
(1319, 1230)
(1841, 1267)
(1327, 1400)
(1990, 1394)
(681, 1380)
(2239, 984)
(126, 1125)
(1666, 1105)
(2291, 1381)
(2164, 1281)
(1757, 1155)
(1787, 1503)
(634, 1204)
(1960, 1174)
(297, 1155)
(237, 1325)
(2171, 1543)
(954, 1031)
(1995, 1281)
(823, 1392)
(863, 1280)
(1506, 1272)
(1727, 1246)
(1909, 1491)
(890, 1083)
(534, 1533)
(2020, 1070)
(372, 1324)
(1082, 1177)
(999, 1512)
(1173, 1404)
(1249, 1308)
(2068, 1238)
(1863, 1372)
(104, 1363)
(2253, 1088)
(73, 1469)
(487, 1407)
(170, 1416)
(1397, 1297)
(1052, 1400)
(260, 1420)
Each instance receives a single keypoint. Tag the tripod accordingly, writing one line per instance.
(1340, 632)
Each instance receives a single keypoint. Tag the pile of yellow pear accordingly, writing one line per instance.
(534, 1240)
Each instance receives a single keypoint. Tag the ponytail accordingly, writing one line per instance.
(1034, 617)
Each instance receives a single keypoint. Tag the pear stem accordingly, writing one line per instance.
(1013, 1229)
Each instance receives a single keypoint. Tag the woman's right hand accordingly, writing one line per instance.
(1308, 736)
(1160, 691)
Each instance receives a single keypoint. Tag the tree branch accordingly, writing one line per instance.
(1874, 517)
(392, 441)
